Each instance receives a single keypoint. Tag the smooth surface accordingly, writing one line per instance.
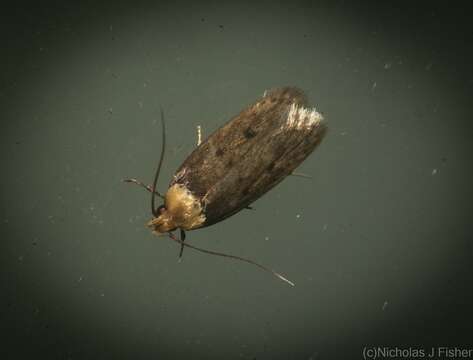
(378, 242)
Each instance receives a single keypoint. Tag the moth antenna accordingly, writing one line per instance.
(143, 185)
(154, 209)
(279, 276)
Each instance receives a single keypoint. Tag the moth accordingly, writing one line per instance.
(236, 165)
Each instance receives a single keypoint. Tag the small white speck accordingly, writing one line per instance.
(325, 227)
(102, 294)
(80, 279)
(298, 216)
(387, 65)
(385, 305)
(266, 238)
(374, 86)
(434, 171)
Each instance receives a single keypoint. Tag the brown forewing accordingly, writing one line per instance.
(249, 155)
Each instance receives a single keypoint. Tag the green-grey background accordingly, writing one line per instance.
(377, 242)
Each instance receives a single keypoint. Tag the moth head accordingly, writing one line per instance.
(163, 222)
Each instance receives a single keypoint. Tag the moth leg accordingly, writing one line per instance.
(295, 173)
(199, 135)
(147, 187)
(183, 237)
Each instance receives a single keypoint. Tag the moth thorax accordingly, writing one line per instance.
(181, 210)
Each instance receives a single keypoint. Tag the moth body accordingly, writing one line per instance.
(241, 161)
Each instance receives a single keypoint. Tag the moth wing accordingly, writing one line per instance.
(252, 153)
